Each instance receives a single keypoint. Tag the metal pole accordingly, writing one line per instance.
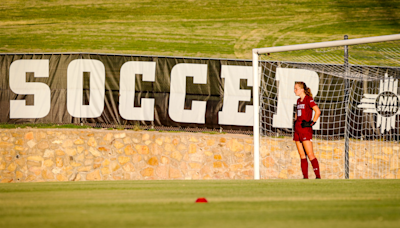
(337, 43)
(256, 116)
(346, 100)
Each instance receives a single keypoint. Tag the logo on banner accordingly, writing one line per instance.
(385, 104)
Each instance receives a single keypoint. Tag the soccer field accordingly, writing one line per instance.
(207, 28)
(267, 203)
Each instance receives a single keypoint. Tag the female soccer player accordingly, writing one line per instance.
(303, 127)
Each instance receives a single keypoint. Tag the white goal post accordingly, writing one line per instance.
(256, 78)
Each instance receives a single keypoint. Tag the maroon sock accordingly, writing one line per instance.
(315, 165)
(304, 168)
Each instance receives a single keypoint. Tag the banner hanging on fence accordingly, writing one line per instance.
(122, 89)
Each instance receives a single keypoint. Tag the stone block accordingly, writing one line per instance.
(61, 177)
(108, 137)
(387, 150)
(283, 174)
(106, 162)
(182, 147)
(136, 158)
(95, 175)
(268, 162)
(48, 163)
(18, 148)
(59, 153)
(59, 162)
(19, 142)
(122, 159)
(29, 136)
(19, 175)
(235, 146)
(382, 157)
(47, 175)
(208, 153)
(394, 163)
(92, 142)
(127, 140)
(169, 147)
(129, 150)
(192, 149)
(248, 148)
(105, 171)
(30, 143)
(85, 169)
(48, 154)
(95, 152)
(153, 161)
(34, 163)
(174, 173)
(75, 164)
(118, 144)
(235, 167)
(217, 157)
(159, 141)
(114, 166)
(129, 167)
(35, 158)
(79, 142)
(194, 165)
(147, 172)
(21, 162)
(7, 180)
(176, 155)
(145, 137)
(162, 172)
(217, 164)
(142, 149)
(164, 160)
(103, 149)
(175, 142)
(120, 135)
(12, 167)
(210, 142)
(71, 151)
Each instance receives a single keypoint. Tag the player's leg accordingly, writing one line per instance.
(308, 147)
(303, 159)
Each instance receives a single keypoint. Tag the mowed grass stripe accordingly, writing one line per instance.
(208, 28)
(275, 203)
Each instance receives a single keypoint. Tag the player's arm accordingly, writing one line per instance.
(317, 113)
(314, 120)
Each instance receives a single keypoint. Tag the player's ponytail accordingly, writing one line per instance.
(307, 90)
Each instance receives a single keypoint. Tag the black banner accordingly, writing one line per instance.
(168, 91)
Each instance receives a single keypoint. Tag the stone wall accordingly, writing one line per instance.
(78, 155)
(367, 159)
(31, 155)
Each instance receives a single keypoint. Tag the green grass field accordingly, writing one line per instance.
(268, 203)
(206, 28)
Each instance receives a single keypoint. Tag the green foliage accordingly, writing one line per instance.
(238, 203)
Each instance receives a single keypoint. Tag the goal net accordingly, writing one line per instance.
(355, 85)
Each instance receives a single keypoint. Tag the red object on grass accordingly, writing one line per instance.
(201, 200)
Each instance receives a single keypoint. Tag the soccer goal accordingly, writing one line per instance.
(354, 83)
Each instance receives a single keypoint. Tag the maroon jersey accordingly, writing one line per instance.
(304, 109)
